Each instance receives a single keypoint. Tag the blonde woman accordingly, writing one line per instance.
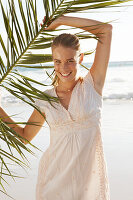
(73, 167)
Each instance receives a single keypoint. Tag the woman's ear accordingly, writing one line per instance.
(81, 58)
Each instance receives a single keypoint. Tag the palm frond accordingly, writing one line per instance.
(79, 5)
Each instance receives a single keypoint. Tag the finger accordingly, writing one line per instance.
(50, 21)
(47, 28)
(44, 19)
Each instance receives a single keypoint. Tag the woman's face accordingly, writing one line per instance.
(66, 62)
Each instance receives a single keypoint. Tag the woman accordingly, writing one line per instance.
(73, 167)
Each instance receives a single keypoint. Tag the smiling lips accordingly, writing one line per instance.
(66, 75)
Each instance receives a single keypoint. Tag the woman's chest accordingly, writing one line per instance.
(64, 99)
(76, 106)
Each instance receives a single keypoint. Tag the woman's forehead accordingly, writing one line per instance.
(64, 52)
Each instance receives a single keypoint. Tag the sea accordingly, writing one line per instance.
(118, 83)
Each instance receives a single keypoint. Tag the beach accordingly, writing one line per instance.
(117, 136)
(117, 132)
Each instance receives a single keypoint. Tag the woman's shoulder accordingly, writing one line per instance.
(49, 90)
(89, 82)
(43, 103)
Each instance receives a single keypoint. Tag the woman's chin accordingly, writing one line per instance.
(65, 80)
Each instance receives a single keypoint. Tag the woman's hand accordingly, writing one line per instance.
(53, 24)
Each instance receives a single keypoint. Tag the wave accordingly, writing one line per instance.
(117, 80)
(128, 96)
(113, 96)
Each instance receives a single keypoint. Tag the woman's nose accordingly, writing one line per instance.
(64, 66)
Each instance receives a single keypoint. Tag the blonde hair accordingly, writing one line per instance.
(65, 40)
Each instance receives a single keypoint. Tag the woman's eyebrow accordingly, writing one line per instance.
(67, 59)
(70, 59)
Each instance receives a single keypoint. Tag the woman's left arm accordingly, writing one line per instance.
(104, 32)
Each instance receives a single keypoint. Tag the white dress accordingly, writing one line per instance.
(74, 167)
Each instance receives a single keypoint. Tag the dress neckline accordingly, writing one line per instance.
(71, 97)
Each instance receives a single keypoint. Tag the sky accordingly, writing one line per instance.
(122, 37)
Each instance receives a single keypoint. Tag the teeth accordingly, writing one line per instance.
(65, 74)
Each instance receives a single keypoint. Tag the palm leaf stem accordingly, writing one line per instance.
(6, 193)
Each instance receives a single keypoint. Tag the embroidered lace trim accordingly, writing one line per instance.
(104, 185)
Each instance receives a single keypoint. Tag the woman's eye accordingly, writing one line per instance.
(57, 62)
(69, 61)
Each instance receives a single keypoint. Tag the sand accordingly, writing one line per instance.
(117, 134)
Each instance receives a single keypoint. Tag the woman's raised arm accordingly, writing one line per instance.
(104, 32)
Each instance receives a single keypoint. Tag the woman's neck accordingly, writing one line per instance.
(67, 86)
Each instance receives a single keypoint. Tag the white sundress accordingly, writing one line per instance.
(74, 167)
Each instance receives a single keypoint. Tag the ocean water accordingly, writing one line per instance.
(118, 83)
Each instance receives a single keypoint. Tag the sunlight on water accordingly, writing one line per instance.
(118, 83)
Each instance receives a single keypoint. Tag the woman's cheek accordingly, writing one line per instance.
(56, 68)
